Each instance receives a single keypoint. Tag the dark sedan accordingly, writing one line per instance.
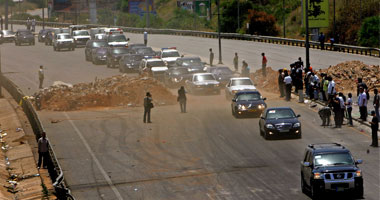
(24, 36)
(114, 54)
(91, 45)
(99, 55)
(176, 76)
(280, 122)
(222, 74)
(136, 45)
(193, 64)
(248, 103)
(42, 34)
(144, 51)
(130, 63)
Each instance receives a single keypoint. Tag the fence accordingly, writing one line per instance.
(236, 36)
(54, 169)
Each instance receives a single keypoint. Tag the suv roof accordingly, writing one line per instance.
(327, 147)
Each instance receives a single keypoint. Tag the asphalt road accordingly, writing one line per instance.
(203, 154)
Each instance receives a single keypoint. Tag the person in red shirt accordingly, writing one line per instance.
(264, 64)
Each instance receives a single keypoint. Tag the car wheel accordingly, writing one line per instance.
(86, 57)
(58, 49)
(315, 192)
(54, 48)
(303, 186)
(359, 192)
(266, 135)
(108, 64)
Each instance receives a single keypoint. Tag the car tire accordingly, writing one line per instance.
(303, 186)
(266, 136)
(359, 192)
(54, 48)
(108, 64)
(316, 194)
(34, 43)
(58, 49)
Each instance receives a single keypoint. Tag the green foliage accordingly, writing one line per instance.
(185, 20)
(39, 3)
(228, 18)
(124, 5)
(260, 23)
(105, 16)
(129, 20)
(25, 16)
(369, 32)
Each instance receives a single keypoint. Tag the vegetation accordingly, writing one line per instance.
(369, 32)
(260, 23)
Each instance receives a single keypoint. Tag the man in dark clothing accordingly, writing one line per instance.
(337, 110)
(375, 127)
(43, 151)
(281, 83)
(211, 57)
(182, 99)
(148, 105)
(325, 114)
(376, 102)
(322, 40)
(236, 62)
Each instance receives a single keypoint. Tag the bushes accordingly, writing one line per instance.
(260, 23)
(369, 32)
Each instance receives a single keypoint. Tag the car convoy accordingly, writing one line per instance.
(325, 167)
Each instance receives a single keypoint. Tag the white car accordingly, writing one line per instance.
(154, 66)
(81, 37)
(100, 36)
(117, 40)
(63, 40)
(169, 55)
(238, 84)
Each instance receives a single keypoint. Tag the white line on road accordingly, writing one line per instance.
(109, 181)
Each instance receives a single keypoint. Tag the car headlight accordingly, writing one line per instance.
(269, 126)
(296, 125)
(358, 173)
(242, 107)
(220, 78)
(216, 85)
(75, 39)
(261, 106)
(317, 175)
(234, 91)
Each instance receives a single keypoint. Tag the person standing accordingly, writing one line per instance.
(41, 76)
(244, 69)
(33, 25)
(342, 104)
(336, 109)
(359, 85)
(330, 88)
(145, 38)
(362, 103)
(299, 85)
(43, 151)
(375, 127)
(211, 57)
(376, 102)
(148, 105)
(236, 62)
(324, 114)
(28, 24)
(182, 99)
(325, 85)
(349, 109)
(264, 64)
(281, 84)
(288, 85)
(322, 40)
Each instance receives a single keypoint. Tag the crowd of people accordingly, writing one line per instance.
(320, 86)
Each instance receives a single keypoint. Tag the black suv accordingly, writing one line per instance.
(330, 168)
(24, 36)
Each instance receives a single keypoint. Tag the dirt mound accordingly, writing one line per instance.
(110, 92)
(346, 74)
(268, 83)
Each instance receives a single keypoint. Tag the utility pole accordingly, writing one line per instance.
(1, 75)
(238, 14)
(220, 42)
(307, 34)
(283, 16)
(6, 14)
(43, 14)
(334, 28)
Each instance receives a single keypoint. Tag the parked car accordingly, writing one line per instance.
(330, 167)
(280, 122)
(238, 84)
(7, 36)
(193, 64)
(202, 83)
(130, 63)
(24, 36)
(91, 45)
(248, 103)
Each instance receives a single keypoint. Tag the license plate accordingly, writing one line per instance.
(340, 189)
(251, 110)
(284, 131)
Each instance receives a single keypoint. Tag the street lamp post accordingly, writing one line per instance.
(307, 34)
(219, 39)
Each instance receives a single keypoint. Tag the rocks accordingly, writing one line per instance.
(114, 91)
(268, 83)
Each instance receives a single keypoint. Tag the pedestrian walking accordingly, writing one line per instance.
(362, 103)
(375, 127)
(322, 40)
(145, 38)
(264, 64)
(281, 84)
(244, 69)
(43, 151)
(211, 56)
(376, 102)
(325, 114)
(33, 25)
(349, 109)
(182, 99)
(236, 62)
(148, 105)
(288, 85)
(41, 76)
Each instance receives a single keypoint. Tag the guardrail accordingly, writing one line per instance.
(258, 38)
(54, 169)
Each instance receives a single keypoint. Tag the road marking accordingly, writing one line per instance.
(106, 177)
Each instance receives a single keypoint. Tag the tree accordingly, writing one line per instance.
(369, 32)
(229, 20)
(260, 23)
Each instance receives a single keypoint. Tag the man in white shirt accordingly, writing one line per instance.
(331, 88)
(362, 102)
(288, 85)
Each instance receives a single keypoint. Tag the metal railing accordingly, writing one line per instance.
(370, 51)
(54, 168)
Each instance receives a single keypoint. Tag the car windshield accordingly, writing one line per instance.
(333, 159)
(192, 62)
(238, 82)
(25, 33)
(65, 31)
(223, 71)
(99, 44)
(158, 63)
(145, 51)
(64, 37)
(100, 36)
(8, 33)
(206, 77)
(117, 38)
(180, 71)
(120, 51)
(80, 33)
(249, 97)
(101, 50)
(280, 114)
(168, 54)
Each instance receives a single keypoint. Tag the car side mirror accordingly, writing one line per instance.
(359, 161)
(298, 116)
(306, 164)
(264, 99)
